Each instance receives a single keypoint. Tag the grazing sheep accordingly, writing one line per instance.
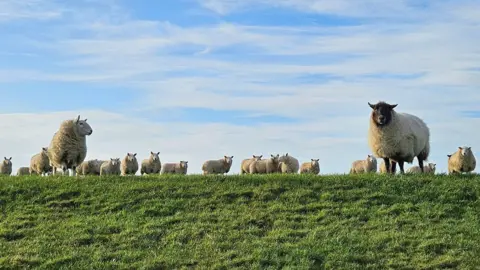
(152, 164)
(290, 164)
(129, 164)
(364, 166)
(40, 163)
(6, 166)
(110, 167)
(23, 171)
(90, 167)
(262, 166)
(397, 137)
(245, 166)
(312, 167)
(68, 147)
(217, 166)
(462, 161)
(175, 168)
(430, 168)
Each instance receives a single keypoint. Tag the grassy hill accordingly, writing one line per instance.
(240, 222)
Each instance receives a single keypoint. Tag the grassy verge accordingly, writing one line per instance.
(240, 222)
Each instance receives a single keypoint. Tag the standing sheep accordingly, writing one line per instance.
(397, 137)
(23, 171)
(152, 164)
(217, 166)
(288, 164)
(90, 167)
(462, 161)
(364, 166)
(129, 164)
(430, 168)
(175, 168)
(68, 147)
(110, 167)
(245, 165)
(40, 163)
(6, 166)
(263, 166)
(312, 167)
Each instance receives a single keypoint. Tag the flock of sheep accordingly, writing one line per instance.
(394, 137)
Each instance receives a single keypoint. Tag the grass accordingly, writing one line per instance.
(240, 222)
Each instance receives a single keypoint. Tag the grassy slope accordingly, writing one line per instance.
(331, 222)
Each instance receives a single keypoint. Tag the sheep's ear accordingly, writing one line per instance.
(260, 156)
(151, 152)
(372, 105)
(231, 157)
(449, 155)
(459, 148)
(286, 154)
(393, 106)
(158, 153)
(469, 147)
(317, 159)
(44, 148)
(78, 119)
(135, 154)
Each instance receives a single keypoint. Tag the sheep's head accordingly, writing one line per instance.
(283, 158)
(227, 159)
(131, 157)
(45, 150)
(257, 157)
(382, 112)
(115, 161)
(371, 158)
(465, 150)
(315, 162)
(432, 166)
(275, 159)
(155, 155)
(83, 128)
(183, 164)
(7, 161)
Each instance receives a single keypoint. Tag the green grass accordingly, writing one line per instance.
(240, 222)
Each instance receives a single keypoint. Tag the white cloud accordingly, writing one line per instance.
(27, 9)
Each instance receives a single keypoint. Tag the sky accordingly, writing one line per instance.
(199, 79)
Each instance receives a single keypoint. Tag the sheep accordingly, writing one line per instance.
(129, 164)
(152, 164)
(382, 168)
(217, 166)
(40, 163)
(110, 167)
(397, 137)
(68, 147)
(6, 166)
(23, 171)
(364, 166)
(312, 167)
(245, 165)
(288, 164)
(462, 161)
(90, 167)
(430, 168)
(175, 168)
(262, 166)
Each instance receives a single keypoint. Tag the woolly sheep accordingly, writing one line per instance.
(288, 164)
(90, 167)
(430, 168)
(152, 164)
(6, 166)
(175, 168)
(110, 167)
(40, 163)
(217, 166)
(262, 166)
(245, 165)
(68, 147)
(397, 137)
(312, 167)
(364, 166)
(129, 164)
(462, 161)
(23, 171)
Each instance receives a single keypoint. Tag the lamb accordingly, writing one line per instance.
(245, 165)
(175, 168)
(110, 167)
(40, 163)
(68, 147)
(129, 164)
(312, 167)
(367, 165)
(288, 164)
(6, 166)
(462, 161)
(397, 137)
(152, 164)
(263, 166)
(217, 166)
(90, 167)
(23, 171)
(430, 168)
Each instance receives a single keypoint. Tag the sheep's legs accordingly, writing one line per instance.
(394, 166)
(400, 164)
(387, 164)
(420, 164)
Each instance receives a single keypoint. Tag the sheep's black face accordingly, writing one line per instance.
(382, 112)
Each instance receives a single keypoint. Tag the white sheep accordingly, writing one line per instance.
(245, 165)
(288, 164)
(68, 147)
(152, 164)
(23, 171)
(90, 167)
(367, 165)
(6, 166)
(110, 167)
(263, 166)
(462, 161)
(175, 168)
(217, 166)
(430, 168)
(40, 163)
(129, 165)
(312, 167)
(397, 137)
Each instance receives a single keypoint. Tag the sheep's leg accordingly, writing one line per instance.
(74, 170)
(387, 164)
(393, 166)
(400, 164)
(420, 163)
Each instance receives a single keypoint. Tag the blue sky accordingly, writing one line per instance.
(197, 79)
